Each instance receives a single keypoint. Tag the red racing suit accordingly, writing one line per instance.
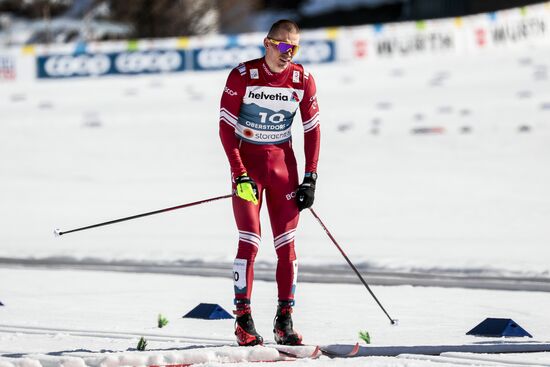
(256, 114)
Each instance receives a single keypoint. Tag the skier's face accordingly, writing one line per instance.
(278, 54)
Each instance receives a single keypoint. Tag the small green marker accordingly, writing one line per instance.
(364, 335)
(162, 321)
(142, 344)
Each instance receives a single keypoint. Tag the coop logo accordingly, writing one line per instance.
(136, 62)
(147, 62)
(70, 65)
(315, 52)
(267, 96)
(222, 58)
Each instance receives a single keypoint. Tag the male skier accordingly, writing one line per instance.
(258, 105)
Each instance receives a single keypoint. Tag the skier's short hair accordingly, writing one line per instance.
(283, 25)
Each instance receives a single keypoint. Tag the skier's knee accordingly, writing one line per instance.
(286, 253)
(247, 251)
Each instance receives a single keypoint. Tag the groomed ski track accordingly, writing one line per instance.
(203, 350)
(112, 335)
(467, 359)
(434, 350)
(503, 346)
(307, 273)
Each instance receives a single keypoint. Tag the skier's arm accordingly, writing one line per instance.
(229, 111)
(309, 111)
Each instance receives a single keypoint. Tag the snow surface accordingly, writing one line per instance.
(78, 152)
(92, 315)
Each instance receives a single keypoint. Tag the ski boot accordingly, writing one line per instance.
(282, 325)
(244, 328)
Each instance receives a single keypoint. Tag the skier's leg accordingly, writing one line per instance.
(248, 224)
(247, 217)
(283, 214)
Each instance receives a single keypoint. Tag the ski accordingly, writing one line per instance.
(286, 353)
(292, 353)
(337, 354)
(317, 352)
(344, 351)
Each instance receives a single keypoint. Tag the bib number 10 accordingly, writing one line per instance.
(273, 118)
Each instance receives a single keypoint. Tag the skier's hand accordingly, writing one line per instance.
(306, 191)
(247, 189)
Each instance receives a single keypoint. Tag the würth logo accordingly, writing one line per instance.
(272, 97)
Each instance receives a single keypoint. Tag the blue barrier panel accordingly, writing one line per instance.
(115, 63)
(316, 52)
(84, 64)
(216, 58)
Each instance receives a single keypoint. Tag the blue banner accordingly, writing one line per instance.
(316, 52)
(215, 58)
(116, 63)
(86, 64)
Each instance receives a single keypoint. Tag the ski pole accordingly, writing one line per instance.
(58, 232)
(393, 321)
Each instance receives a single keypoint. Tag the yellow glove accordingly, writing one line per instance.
(247, 189)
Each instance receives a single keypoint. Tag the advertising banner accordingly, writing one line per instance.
(115, 63)
(416, 42)
(519, 30)
(215, 58)
(526, 26)
(421, 38)
(316, 52)
(462, 35)
(516, 30)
